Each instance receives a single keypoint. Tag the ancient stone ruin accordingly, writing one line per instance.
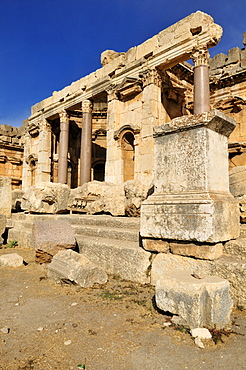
(146, 136)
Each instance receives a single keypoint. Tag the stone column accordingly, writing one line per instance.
(44, 152)
(86, 143)
(201, 81)
(63, 147)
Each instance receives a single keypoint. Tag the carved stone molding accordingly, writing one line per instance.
(87, 106)
(151, 76)
(200, 56)
(134, 129)
(33, 129)
(112, 93)
(64, 117)
(128, 88)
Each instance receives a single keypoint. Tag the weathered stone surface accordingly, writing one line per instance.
(207, 252)
(231, 269)
(201, 333)
(46, 198)
(237, 178)
(135, 193)
(191, 201)
(197, 302)
(76, 267)
(11, 260)
(236, 248)
(3, 223)
(108, 55)
(50, 237)
(96, 197)
(156, 245)
(5, 196)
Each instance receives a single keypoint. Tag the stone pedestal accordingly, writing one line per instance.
(192, 201)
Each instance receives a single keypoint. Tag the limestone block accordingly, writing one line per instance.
(237, 179)
(207, 252)
(197, 302)
(5, 196)
(135, 193)
(232, 269)
(46, 198)
(191, 200)
(50, 237)
(236, 248)
(108, 55)
(156, 245)
(76, 267)
(233, 55)
(11, 260)
(96, 196)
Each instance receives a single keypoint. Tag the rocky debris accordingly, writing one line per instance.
(76, 267)
(96, 197)
(197, 302)
(201, 333)
(5, 330)
(199, 343)
(50, 237)
(3, 222)
(135, 193)
(17, 199)
(5, 196)
(46, 198)
(11, 260)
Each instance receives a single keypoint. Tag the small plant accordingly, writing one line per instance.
(12, 244)
(181, 328)
(111, 296)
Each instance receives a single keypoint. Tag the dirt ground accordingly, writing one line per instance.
(109, 327)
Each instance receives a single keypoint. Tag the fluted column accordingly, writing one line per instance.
(63, 147)
(86, 143)
(201, 81)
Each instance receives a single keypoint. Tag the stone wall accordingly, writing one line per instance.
(11, 154)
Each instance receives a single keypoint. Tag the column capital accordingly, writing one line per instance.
(64, 117)
(200, 56)
(87, 106)
(151, 76)
(112, 93)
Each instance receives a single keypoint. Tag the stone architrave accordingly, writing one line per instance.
(50, 237)
(192, 201)
(5, 196)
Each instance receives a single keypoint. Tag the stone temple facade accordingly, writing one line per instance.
(101, 126)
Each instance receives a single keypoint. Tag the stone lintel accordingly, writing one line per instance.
(155, 245)
(213, 120)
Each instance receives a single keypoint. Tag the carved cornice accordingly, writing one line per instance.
(151, 76)
(33, 129)
(87, 106)
(200, 56)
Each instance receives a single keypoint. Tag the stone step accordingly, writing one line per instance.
(119, 257)
(109, 232)
(102, 220)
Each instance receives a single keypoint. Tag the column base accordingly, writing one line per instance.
(209, 217)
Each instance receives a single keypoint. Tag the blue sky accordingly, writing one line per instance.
(47, 44)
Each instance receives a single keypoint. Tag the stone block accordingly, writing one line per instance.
(207, 252)
(191, 201)
(17, 199)
(11, 260)
(96, 196)
(135, 193)
(197, 302)
(226, 267)
(50, 237)
(3, 222)
(155, 245)
(234, 55)
(236, 248)
(46, 198)
(237, 180)
(71, 265)
(5, 196)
